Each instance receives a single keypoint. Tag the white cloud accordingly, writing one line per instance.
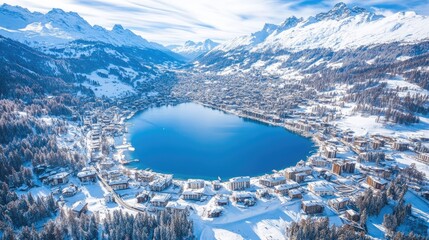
(175, 21)
(169, 22)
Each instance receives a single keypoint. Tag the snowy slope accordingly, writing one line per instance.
(340, 28)
(342, 38)
(57, 27)
(351, 32)
(191, 50)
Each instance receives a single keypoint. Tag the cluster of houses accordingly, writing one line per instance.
(157, 182)
(333, 179)
(52, 176)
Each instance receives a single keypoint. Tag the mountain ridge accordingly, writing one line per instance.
(59, 27)
(190, 49)
(341, 29)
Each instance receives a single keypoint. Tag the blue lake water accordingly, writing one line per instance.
(193, 141)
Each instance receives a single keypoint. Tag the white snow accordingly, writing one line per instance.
(191, 50)
(345, 33)
(58, 26)
(109, 87)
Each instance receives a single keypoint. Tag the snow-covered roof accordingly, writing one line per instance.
(287, 186)
(161, 197)
(118, 181)
(176, 205)
(86, 173)
(78, 206)
(240, 179)
(60, 175)
(273, 178)
(321, 186)
(312, 203)
(242, 194)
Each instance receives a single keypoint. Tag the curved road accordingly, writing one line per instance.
(117, 198)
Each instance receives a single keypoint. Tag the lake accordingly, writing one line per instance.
(193, 141)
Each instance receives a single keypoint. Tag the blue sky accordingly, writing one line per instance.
(175, 21)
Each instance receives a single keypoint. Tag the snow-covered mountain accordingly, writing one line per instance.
(110, 62)
(342, 29)
(190, 50)
(57, 27)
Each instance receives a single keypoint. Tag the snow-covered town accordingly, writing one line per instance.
(71, 90)
(331, 183)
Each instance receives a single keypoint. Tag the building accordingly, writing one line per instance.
(112, 174)
(105, 165)
(87, 175)
(191, 195)
(238, 183)
(330, 151)
(423, 157)
(216, 185)
(294, 193)
(214, 212)
(348, 167)
(80, 207)
(244, 197)
(144, 176)
(142, 197)
(175, 206)
(372, 156)
(321, 188)
(376, 182)
(272, 180)
(262, 193)
(221, 200)
(59, 178)
(160, 199)
(119, 184)
(340, 167)
(400, 145)
(285, 188)
(161, 183)
(312, 207)
(377, 144)
(297, 174)
(339, 204)
(69, 191)
(336, 168)
(195, 184)
(360, 143)
(317, 161)
(352, 215)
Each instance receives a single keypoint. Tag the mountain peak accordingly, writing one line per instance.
(339, 6)
(290, 22)
(341, 11)
(190, 43)
(208, 41)
(263, 33)
(209, 44)
(190, 50)
(16, 9)
(56, 11)
(117, 28)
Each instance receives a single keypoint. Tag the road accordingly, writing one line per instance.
(117, 198)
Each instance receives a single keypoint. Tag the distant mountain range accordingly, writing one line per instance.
(190, 50)
(57, 27)
(325, 40)
(61, 45)
(341, 39)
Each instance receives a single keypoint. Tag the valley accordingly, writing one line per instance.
(353, 82)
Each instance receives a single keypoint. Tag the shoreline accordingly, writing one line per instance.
(313, 150)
